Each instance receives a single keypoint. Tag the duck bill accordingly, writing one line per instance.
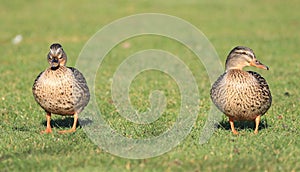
(258, 64)
(54, 63)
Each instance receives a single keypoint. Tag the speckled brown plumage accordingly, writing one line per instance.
(242, 95)
(59, 89)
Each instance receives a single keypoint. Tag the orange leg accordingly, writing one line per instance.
(48, 128)
(257, 120)
(231, 122)
(73, 129)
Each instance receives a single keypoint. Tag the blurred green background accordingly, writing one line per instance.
(270, 28)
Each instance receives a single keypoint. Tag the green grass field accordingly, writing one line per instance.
(270, 28)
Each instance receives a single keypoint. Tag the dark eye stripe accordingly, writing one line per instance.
(49, 56)
(245, 53)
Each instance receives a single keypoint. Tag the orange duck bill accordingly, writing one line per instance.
(258, 64)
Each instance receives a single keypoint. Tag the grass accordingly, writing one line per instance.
(271, 28)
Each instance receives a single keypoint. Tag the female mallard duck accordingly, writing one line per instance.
(59, 89)
(242, 95)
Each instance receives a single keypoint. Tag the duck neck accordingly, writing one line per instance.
(233, 68)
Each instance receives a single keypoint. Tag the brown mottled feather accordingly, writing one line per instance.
(241, 95)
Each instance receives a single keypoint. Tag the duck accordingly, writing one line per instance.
(60, 89)
(242, 95)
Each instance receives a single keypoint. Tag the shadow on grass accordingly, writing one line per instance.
(243, 125)
(67, 122)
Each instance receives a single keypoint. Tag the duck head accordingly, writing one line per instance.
(240, 57)
(56, 57)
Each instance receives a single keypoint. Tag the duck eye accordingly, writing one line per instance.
(60, 55)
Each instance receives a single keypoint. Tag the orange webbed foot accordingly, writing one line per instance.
(48, 128)
(235, 132)
(67, 131)
(47, 131)
(257, 120)
(73, 129)
(231, 122)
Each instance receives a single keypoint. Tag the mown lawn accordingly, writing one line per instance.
(270, 28)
